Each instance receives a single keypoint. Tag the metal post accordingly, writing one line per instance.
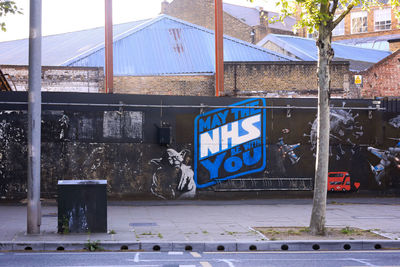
(34, 117)
(219, 49)
(109, 47)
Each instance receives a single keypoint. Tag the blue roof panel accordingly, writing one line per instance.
(159, 46)
(306, 49)
(167, 45)
(56, 49)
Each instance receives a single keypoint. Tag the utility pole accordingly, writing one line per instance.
(34, 216)
(219, 49)
(109, 48)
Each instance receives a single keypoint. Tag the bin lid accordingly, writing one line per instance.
(81, 182)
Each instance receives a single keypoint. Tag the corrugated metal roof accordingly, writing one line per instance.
(251, 16)
(56, 49)
(305, 49)
(166, 45)
(159, 46)
(376, 42)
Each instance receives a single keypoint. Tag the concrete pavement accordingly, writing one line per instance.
(206, 225)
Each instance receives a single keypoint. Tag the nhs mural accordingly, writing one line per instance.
(252, 145)
(230, 142)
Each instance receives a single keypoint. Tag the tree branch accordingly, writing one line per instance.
(339, 19)
(334, 7)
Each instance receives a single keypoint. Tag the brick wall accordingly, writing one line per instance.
(371, 27)
(58, 79)
(293, 79)
(271, 79)
(193, 85)
(201, 12)
(382, 79)
(394, 45)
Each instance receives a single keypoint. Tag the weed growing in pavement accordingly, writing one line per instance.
(347, 231)
(65, 225)
(147, 233)
(231, 233)
(93, 246)
(305, 230)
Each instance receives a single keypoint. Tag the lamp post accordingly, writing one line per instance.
(34, 215)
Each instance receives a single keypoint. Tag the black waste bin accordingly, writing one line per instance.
(82, 206)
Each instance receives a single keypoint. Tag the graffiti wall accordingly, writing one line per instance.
(168, 147)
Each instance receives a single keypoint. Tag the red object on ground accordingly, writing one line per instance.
(340, 181)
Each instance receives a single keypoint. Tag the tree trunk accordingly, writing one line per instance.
(325, 55)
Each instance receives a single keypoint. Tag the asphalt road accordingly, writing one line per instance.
(194, 259)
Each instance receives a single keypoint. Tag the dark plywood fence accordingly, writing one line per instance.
(170, 147)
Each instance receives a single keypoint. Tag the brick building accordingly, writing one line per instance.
(168, 56)
(245, 23)
(382, 79)
(376, 28)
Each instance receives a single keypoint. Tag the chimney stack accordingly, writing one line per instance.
(164, 6)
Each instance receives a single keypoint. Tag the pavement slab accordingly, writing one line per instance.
(208, 225)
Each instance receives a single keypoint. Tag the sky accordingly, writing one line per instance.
(59, 16)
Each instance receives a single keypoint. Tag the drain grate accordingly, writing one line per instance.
(143, 224)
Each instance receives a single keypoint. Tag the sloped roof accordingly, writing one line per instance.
(305, 49)
(160, 46)
(56, 49)
(380, 42)
(251, 16)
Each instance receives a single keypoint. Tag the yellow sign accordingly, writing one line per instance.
(357, 79)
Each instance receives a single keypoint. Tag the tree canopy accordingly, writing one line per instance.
(6, 8)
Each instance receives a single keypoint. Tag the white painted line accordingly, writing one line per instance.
(136, 259)
(175, 253)
(195, 254)
(259, 233)
(363, 262)
(229, 262)
(205, 264)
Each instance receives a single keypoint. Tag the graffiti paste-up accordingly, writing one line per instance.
(387, 158)
(172, 177)
(230, 142)
(287, 151)
(395, 122)
(344, 129)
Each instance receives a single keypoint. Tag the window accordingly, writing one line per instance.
(359, 22)
(383, 19)
(339, 29)
(313, 35)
